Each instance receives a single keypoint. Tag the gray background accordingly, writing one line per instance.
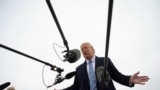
(28, 26)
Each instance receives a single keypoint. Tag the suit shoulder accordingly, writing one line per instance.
(81, 65)
(102, 58)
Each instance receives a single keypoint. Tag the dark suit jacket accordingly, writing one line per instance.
(81, 81)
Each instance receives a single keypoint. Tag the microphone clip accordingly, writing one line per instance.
(58, 79)
(59, 70)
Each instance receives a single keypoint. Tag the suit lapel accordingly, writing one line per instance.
(97, 64)
(85, 74)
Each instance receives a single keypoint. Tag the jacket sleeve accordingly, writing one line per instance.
(118, 76)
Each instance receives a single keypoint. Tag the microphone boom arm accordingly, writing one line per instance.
(108, 34)
(53, 67)
(57, 23)
(102, 72)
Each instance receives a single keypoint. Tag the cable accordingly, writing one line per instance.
(45, 65)
(43, 77)
(56, 50)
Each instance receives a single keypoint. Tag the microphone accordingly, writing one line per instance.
(70, 75)
(59, 78)
(103, 76)
(4, 85)
(72, 56)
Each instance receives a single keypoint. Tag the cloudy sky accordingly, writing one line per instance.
(28, 26)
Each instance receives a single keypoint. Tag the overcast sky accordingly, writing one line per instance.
(28, 26)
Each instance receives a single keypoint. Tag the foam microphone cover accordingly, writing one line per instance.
(104, 80)
(70, 75)
(74, 55)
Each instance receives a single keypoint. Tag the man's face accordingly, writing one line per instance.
(87, 51)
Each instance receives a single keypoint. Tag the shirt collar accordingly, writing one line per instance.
(92, 59)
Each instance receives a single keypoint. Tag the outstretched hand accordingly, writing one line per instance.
(135, 79)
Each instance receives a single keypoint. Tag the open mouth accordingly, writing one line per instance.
(85, 53)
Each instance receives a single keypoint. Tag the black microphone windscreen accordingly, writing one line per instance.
(70, 75)
(3, 86)
(74, 55)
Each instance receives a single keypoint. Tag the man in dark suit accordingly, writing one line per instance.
(82, 77)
